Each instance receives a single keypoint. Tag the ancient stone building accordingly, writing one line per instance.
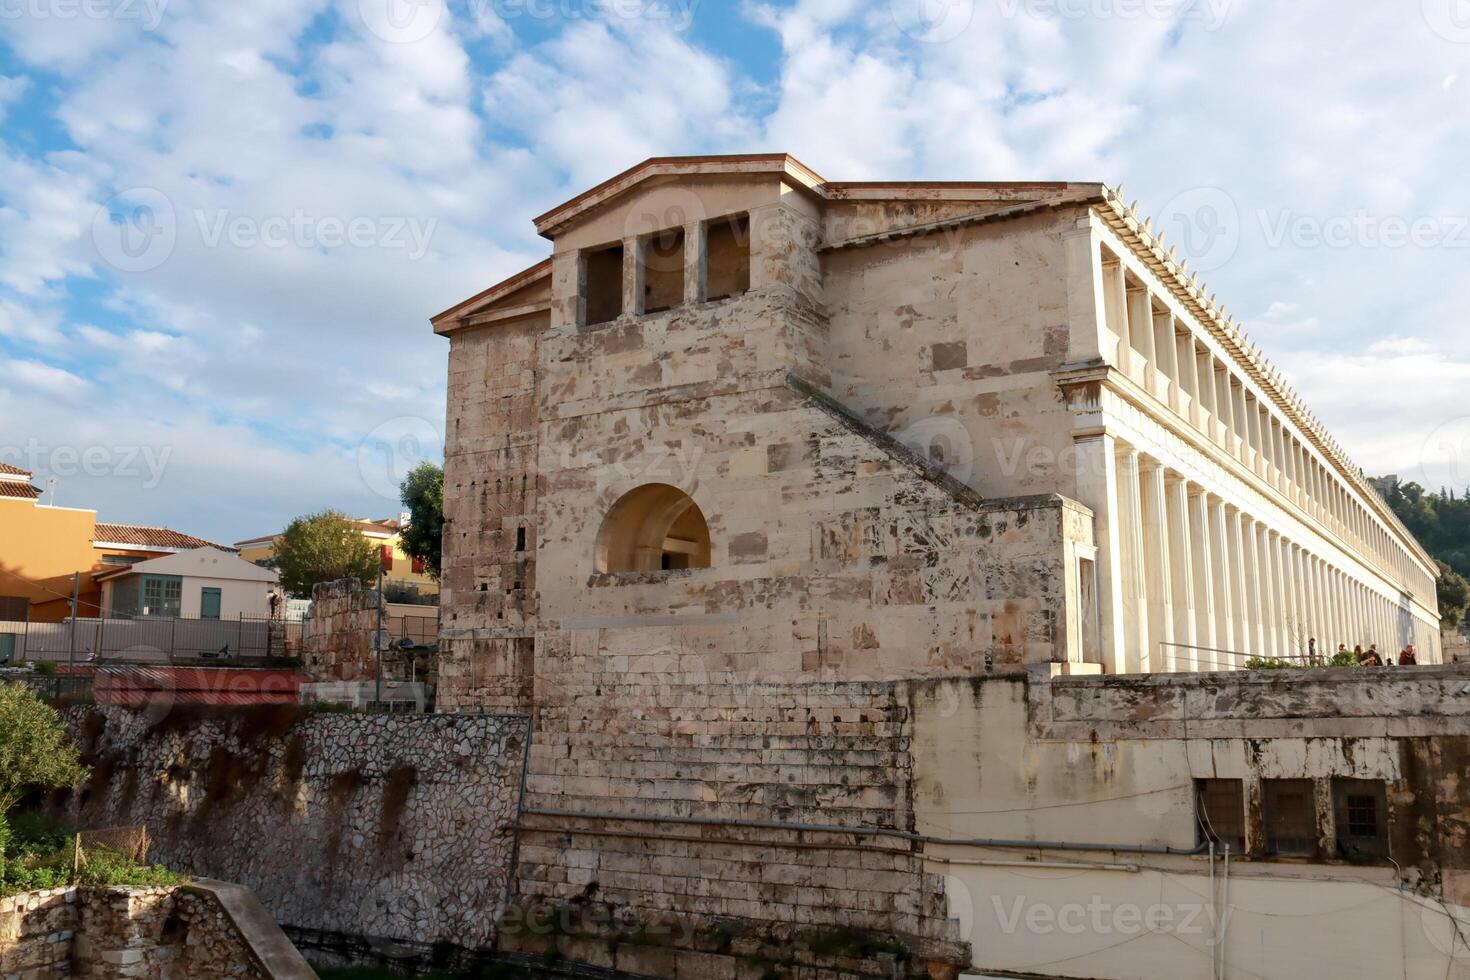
(752, 454)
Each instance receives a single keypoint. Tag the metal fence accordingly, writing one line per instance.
(143, 640)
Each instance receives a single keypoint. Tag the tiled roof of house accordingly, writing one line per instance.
(18, 488)
(150, 537)
(8, 470)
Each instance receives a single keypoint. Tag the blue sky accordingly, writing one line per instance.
(223, 226)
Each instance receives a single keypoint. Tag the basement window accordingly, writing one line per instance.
(1219, 810)
(727, 256)
(602, 277)
(1360, 809)
(1289, 817)
(663, 270)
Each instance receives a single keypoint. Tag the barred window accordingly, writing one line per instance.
(1289, 817)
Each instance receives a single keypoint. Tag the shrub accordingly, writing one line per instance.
(35, 749)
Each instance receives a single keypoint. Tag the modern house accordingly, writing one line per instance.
(402, 571)
(43, 547)
(202, 583)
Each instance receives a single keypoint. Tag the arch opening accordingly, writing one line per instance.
(651, 528)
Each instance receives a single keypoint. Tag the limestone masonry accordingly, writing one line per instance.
(756, 462)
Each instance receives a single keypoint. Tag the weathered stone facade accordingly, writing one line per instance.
(924, 438)
(396, 828)
(338, 643)
(159, 933)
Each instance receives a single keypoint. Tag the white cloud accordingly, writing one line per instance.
(282, 358)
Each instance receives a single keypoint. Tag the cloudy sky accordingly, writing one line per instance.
(224, 225)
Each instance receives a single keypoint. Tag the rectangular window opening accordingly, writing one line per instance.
(162, 595)
(1219, 808)
(1289, 817)
(663, 270)
(727, 256)
(603, 281)
(520, 539)
(1360, 808)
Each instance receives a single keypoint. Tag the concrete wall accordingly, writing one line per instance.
(397, 828)
(111, 933)
(1110, 763)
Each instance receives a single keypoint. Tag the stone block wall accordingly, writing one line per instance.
(338, 645)
(396, 828)
(166, 933)
(488, 585)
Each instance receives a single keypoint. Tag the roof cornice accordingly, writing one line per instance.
(1148, 245)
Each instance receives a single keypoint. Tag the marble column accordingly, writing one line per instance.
(1181, 572)
(1156, 561)
(1136, 629)
(1204, 566)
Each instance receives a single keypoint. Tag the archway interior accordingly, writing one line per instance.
(654, 527)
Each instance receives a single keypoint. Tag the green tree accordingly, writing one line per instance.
(35, 749)
(422, 493)
(322, 548)
(1454, 596)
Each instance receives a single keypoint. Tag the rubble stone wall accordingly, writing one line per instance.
(113, 933)
(388, 827)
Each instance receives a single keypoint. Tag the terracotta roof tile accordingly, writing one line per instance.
(18, 488)
(150, 537)
(14, 470)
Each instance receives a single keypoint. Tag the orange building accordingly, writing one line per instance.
(42, 547)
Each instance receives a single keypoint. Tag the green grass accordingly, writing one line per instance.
(38, 853)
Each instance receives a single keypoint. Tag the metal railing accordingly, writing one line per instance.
(150, 639)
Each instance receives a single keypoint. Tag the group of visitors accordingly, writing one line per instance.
(1366, 658)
